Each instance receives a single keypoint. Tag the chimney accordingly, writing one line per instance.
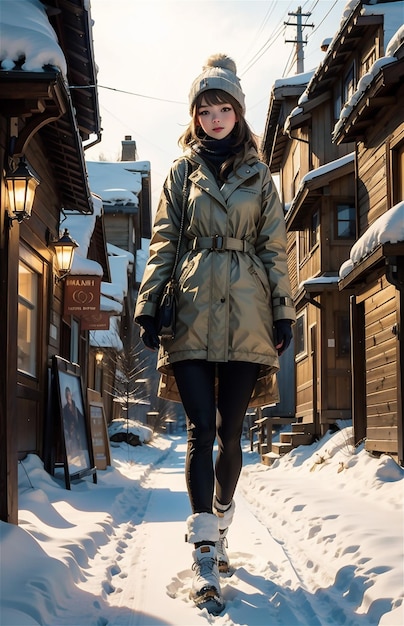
(129, 149)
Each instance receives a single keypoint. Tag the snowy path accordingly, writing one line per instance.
(268, 586)
(317, 540)
(162, 590)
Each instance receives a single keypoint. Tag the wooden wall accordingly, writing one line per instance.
(381, 345)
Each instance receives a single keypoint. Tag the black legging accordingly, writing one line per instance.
(196, 384)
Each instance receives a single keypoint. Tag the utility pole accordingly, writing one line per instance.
(299, 41)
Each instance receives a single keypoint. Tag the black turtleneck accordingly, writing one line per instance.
(215, 151)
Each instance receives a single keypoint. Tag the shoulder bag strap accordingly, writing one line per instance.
(182, 222)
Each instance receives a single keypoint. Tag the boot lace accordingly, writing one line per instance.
(204, 567)
(221, 546)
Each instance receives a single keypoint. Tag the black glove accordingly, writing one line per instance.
(148, 331)
(283, 335)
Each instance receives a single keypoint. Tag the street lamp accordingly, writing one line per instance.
(21, 186)
(99, 355)
(64, 249)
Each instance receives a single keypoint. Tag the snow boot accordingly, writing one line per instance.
(205, 589)
(223, 561)
(225, 516)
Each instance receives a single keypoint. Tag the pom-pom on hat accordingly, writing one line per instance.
(219, 72)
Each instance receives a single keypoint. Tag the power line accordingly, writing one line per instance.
(325, 17)
(130, 93)
(264, 48)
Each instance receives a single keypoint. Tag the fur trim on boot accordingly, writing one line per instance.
(225, 516)
(202, 527)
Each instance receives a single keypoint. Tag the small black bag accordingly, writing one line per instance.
(167, 311)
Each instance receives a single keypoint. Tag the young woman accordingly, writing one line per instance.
(234, 305)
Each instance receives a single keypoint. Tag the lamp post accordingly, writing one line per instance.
(21, 186)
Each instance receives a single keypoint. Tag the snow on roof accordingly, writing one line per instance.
(137, 166)
(107, 338)
(393, 15)
(320, 171)
(392, 12)
(117, 182)
(109, 305)
(388, 228)
(363, 84)
(295, 79)
(327, 167)
(97, 205)
(25, 33)
(119, 266)
(85, 267)
(319, 280)
(81, 228)
(116, 251)
(112, 291)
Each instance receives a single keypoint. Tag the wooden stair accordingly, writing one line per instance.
(301, 434)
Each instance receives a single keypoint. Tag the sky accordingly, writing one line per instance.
(317, 540)
(155, 49)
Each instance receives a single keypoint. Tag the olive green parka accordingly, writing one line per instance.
(227, 299)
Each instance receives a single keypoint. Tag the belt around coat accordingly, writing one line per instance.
(218, 243)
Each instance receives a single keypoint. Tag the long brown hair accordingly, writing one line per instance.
(243, 138)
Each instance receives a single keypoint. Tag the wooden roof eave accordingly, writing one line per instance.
(300, 119)
(98, 248)
(309, 193)
(276, 117)
(71, 21)
(352, 31)
(375, 98)
(376, 259)
(42, 100)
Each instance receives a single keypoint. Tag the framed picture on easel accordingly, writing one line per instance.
(75, 438)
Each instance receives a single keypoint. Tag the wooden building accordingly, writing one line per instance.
(374, 119)
(43, 122)
(338, 149)
(316, 184)
(124, 189)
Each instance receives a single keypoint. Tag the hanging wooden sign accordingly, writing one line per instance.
(95, 321)
(82, 295)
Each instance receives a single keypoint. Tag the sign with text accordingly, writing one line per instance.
(95, 321)
(99, 435)
(82, 295)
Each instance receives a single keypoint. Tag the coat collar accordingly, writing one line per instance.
(203, 178)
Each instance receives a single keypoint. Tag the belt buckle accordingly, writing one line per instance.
(218, 243)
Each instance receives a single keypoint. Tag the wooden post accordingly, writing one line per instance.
(9, 252)
(357, 322)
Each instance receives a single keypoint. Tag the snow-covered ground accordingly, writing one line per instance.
(317, 540)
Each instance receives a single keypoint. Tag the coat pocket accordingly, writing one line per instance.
(186, 270)
(259, 278)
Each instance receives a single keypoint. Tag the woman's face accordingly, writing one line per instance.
(216, 120)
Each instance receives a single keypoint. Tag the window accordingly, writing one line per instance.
(27, 319)
(301, 335)
(368, 61)
(342, 334)
(397, 172)
(303, 245)
(296, 169)
(349, 84)
(346, 221)
(314, 229)
(337, 105)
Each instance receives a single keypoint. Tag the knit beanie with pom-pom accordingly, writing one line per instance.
(219, 72)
